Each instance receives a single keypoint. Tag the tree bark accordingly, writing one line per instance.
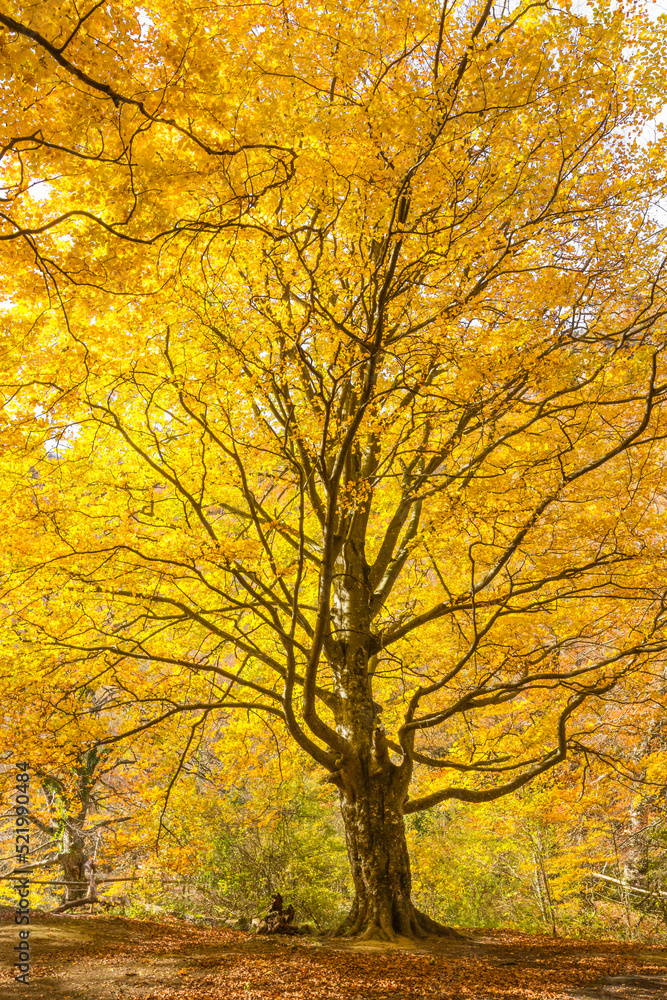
(91, 896)
(372, 788)
(379, 861)
(73, 860)
(372, 793)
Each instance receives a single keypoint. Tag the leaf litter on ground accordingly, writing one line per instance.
(103, 958)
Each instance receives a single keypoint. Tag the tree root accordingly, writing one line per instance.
(349, 926)
(367, 926)
(374, 932)
(432, 927)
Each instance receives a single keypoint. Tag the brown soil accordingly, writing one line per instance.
(100, 958)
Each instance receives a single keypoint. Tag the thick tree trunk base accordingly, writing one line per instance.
(371, 806)
(368, 923)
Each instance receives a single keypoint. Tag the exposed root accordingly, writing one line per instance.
(353, 922)
(416, 929)
(374, 932)
(361, 922)
(431, 926)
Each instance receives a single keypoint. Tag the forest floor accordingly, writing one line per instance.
(107, 958)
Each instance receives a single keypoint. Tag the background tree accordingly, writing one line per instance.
(81, 795)
(342, 405)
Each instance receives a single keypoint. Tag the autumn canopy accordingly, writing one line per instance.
(333, 370)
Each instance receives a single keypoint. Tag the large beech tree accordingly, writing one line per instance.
(334, 370)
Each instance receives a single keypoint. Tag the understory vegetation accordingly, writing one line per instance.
(564, 856)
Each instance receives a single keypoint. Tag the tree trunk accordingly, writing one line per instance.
(73, 860)
(378, 854)
(372, 788)
(371, 797)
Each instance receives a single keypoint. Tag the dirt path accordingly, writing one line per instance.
(100, 958)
